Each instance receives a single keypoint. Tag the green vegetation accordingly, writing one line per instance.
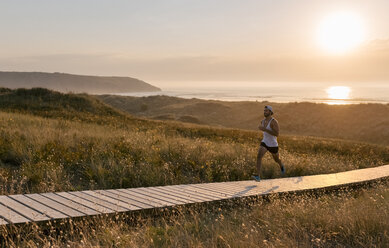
(58, 142)
(51, 104)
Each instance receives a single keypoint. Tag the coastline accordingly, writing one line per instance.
(276, 95)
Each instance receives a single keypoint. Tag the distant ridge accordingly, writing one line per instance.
(51, 104)
(74, 83)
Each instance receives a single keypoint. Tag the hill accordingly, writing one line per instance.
(73, 83)
(50, 141)
(54, 141)
(47, 103)
(361, 122)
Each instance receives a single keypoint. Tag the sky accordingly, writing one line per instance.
(179, 43)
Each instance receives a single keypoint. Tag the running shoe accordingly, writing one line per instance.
(282, 169)
(256, 178)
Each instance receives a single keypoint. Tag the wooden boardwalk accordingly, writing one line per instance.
(26, 208)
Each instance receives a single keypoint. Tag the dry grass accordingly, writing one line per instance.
(102, 148)
(39, 155)
(360, 122)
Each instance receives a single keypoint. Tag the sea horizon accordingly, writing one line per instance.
(278, 94)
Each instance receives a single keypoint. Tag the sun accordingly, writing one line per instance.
(338, 92)
(340, 32)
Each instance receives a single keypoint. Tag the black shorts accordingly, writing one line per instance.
(273, 149)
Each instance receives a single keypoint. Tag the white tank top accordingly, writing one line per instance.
(268, 139)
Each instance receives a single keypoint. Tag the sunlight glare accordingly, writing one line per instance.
(340, 32)
(338, 92)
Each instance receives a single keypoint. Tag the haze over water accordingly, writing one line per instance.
(282, 94)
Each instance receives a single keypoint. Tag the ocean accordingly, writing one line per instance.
(281, 94)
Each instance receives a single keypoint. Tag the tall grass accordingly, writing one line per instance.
(39, 154)
(51, 142)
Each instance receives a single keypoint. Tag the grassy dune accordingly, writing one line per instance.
(39, 154)
(359, 122)
(43, 147)
(57, 142)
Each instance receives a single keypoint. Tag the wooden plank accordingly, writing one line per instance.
(185, 192)
(113, 201)
(54, 214)
(156, 202)
(148, 192)
(221, 194)
(244, 186)
(127, 198)
(178, 192)
(3, 221)
(241, 191)
(223, 186)
(89, 204)
(71, 204)
(255, 188)
(212, 195)
(12, 216)
(229, 189)
(206, 193)
(141, 198)
(55, 205)
(161, 195)
(153, 197)
(218, 187)
(22, 209)
(190, 198)
(205, 188)
(100, 201)
(232, 186)
(224, 193)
